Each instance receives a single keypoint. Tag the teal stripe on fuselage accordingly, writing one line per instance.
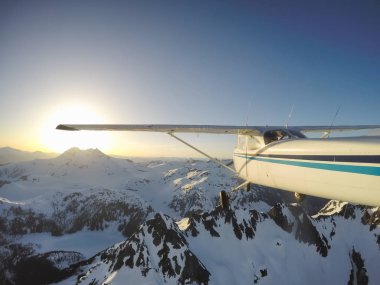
(358, 169)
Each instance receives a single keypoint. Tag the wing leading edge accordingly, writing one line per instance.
(210, 129)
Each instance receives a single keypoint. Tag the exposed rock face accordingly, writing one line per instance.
(20, 265)
(157, 250)
(77, 211)
(290, 219)
(210, 222)
(358, 275)
(371, 218)
(307, 232)
(276, 213)
(10, 255)
(45, 268)
(96, 211)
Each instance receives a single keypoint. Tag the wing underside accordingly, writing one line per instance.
(211, 129)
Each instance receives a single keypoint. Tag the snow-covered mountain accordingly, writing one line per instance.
(281, 246)
(87, 218)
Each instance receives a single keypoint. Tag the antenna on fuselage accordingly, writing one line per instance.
(290, 115)
(327, 135)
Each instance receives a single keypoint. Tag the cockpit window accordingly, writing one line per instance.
(276, 135)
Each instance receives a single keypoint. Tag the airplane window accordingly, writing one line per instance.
(270, 137)
(275, 135)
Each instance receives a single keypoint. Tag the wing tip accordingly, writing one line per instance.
(65, 128)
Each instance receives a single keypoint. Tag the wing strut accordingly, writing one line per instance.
(217, 161)
(244, 184)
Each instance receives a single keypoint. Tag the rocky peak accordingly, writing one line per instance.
(76, 153)
(368, 215)
(158, 250)
(306, 231)
(91, 159)
(371, 217)
(290, 218)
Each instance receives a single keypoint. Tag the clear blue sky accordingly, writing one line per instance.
(184, 62)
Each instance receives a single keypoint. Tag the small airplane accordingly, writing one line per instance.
(339, 168)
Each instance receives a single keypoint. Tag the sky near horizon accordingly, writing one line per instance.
(182, 62)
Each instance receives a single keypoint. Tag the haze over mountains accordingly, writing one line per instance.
(10, 155)
(86, 218)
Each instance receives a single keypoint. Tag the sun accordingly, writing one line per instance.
(60, 141)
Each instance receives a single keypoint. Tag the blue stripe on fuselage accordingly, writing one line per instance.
(358, 169)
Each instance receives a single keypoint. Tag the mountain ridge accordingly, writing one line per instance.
(94, 201)
(12, 155)
(120, 261)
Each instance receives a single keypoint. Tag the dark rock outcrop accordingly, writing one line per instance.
(158, 239)
(358, 274)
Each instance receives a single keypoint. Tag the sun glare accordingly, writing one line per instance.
(60, 141)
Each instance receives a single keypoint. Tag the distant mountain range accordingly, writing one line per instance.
(11, 155)
(87, 218)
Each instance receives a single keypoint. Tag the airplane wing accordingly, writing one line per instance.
(211, 129)
(305, 129)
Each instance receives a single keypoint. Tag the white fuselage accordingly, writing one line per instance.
(346, 169)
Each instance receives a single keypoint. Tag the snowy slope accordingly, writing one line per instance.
(283, 245)
(86, 206)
